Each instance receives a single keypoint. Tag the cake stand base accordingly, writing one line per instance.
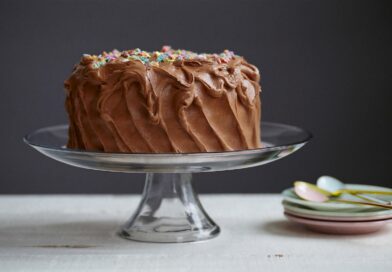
(169, 212)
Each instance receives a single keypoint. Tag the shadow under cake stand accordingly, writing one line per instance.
(170, 210)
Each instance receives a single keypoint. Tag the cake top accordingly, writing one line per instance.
(155, 58)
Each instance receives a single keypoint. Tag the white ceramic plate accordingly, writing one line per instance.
(290, 196)
(297, 210)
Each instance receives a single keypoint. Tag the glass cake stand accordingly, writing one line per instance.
(170, 210)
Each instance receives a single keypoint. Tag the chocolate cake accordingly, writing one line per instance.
(168, 101)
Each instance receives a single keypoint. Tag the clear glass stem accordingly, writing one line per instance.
(170, 212)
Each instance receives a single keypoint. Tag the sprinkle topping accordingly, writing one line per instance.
(155, 58)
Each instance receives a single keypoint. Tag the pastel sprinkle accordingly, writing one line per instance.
(155, 58)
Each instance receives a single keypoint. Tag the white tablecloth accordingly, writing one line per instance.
(77, 233)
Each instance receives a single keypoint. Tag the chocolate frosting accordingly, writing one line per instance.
(183, 106)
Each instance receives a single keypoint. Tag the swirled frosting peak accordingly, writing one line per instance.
(170, 100)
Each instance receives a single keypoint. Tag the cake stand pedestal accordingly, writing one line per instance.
(170, 210)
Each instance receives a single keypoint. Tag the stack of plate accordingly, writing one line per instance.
(338, 218)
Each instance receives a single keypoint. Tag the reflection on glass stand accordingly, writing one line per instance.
(170, 210)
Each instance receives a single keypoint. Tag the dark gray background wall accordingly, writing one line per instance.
(326, 66)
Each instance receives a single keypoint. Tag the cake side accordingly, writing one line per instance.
(168, 101)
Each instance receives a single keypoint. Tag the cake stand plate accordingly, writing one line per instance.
(170, 210)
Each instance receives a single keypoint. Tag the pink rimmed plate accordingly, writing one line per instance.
(338, 227)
